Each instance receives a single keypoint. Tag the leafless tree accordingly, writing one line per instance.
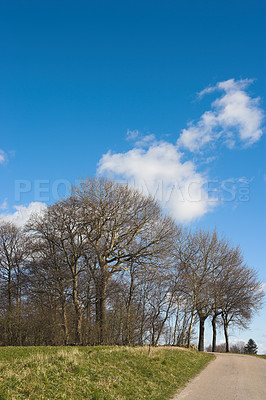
(59, 228)
(106, 266)
(120, 226)
(12, 257)
(242, 297)
(197, 264)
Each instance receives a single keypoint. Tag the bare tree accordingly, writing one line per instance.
(242, 297)
(225, 258)
(196, 263)
(120, 226)
(49, 278)
(106, 266)
(59, 227)
(12, 258)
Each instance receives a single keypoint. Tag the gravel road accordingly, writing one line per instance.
(228, 377)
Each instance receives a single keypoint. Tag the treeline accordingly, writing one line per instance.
(239, 348)
(106, 266)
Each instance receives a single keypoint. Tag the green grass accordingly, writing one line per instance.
(104, 373)
(256, 355)
(261, 355)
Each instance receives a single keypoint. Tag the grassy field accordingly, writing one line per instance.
(96, 372)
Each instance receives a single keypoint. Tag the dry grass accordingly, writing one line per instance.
(95, 372)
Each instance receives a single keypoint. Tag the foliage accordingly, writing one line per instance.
(251, 347)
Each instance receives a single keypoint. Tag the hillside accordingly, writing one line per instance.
(96, 372)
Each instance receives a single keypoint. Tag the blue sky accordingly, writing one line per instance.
(114, 88)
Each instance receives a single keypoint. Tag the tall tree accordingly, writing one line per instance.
(225, 260)
(59, 227)
(12, 258)
(120, 226)
(242, 298)
(197, 264)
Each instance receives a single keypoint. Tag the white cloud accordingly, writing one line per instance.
(132, 134)
(160, 172)
(139, 139)
(234, 116)
(196, 136)
(3, 157)
(4, 205)
(159, 168)
(144, 141)
(23, 213)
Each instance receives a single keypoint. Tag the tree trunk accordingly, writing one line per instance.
(101, 286)
(78, 311)
(201, 334)
(18, 309)
(163, 321)
(175, 328)
(190, 328)
(227, 345)
(9, 331)
(214, 333)
(142, 321)
(152, 340)
(64, 323)
(88, 314)
(128, 315)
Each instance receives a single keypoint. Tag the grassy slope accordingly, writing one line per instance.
(95, 372)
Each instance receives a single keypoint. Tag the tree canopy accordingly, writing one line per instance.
(107, 266)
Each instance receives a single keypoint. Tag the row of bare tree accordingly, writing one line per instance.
(105, 266)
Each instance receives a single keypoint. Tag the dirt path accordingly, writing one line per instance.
(228, 377)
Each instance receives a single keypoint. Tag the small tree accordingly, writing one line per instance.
(251, 347)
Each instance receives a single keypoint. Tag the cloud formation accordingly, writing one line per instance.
(159, 171)
(4, 205)
(23, 213)
(234, 117)
(3, 157)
